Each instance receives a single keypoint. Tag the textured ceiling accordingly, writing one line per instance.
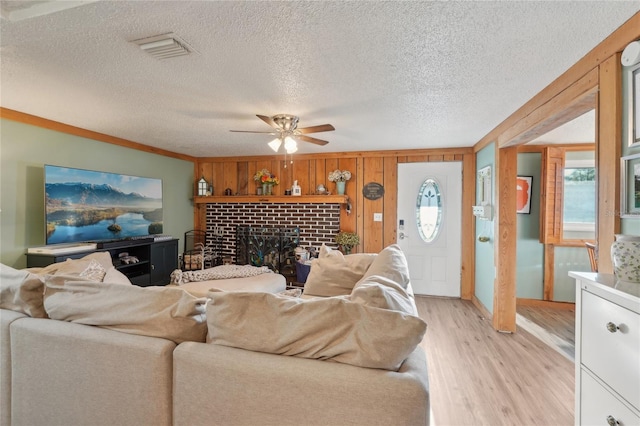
(387, 75)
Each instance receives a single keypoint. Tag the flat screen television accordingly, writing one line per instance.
(90, 206)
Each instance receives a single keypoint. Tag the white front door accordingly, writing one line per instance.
(433, 253)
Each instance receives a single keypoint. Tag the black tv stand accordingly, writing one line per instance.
(156, 259)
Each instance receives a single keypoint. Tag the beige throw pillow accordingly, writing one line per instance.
(385, 284)
(334, 274)
(332, 329)
(94, 271)
(381, 292)
(21, 291)
(392, 264)
(166, 312)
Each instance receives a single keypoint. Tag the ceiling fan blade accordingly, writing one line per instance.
(251, 131)
(316, 129)
(268, 120)
(312, 140)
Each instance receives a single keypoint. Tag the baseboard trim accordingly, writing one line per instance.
(483, 310)
(545, 303)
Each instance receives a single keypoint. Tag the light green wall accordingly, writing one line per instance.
(530, 252)
(24, 150)
(485, 265)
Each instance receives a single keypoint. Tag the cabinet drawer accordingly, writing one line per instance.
(597, 405)
(612, 354)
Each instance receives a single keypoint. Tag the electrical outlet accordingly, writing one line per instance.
(377, 217)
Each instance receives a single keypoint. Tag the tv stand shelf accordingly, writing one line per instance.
(156, 259)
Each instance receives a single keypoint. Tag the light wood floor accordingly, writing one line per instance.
(481, 377)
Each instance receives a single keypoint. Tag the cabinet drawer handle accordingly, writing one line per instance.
(611, 421)
(612, 327)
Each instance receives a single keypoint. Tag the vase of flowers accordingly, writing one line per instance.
(267, 179)
(347, 241)
(340, 177)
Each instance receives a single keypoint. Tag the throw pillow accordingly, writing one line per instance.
(332, 329)
(392, 264)
(381, 292)
(334, 274)
(77, 266)
(113, 276)
(94, 271)
(21, 291)
(166, 312)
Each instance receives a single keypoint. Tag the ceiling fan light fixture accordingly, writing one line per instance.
(275, 144)
(290, 145)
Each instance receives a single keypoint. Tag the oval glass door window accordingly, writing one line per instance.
(429, 210)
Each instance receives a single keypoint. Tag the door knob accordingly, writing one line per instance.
(402, 236)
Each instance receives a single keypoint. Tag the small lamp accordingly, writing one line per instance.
(202, 187)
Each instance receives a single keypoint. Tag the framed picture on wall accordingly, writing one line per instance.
(630, 186)
(523, 194)
(634, 106)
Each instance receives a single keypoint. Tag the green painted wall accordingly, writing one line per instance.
(485, 264)
(24, 150)
(529, 251)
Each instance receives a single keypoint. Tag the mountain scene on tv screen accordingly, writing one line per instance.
(81, 212)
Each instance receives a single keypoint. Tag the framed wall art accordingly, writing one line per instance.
(633, 96)
(630, 186)
(523, 195)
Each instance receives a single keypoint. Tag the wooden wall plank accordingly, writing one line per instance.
(467, 273)
(243, 185)
(373, 172)
(390, 199)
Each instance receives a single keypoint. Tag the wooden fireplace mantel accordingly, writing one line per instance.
(308, 199)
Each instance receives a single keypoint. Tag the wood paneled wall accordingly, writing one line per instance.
(236, 173)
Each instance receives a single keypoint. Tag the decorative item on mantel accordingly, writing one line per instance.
(202, 187)
(340, 178)
(265, 178)
(347, 241)
(625, 256)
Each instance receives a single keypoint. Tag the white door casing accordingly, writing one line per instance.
(434, 267)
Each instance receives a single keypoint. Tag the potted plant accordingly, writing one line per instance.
(340, 177)
(347, 240)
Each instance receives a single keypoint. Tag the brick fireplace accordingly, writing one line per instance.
(318, 222)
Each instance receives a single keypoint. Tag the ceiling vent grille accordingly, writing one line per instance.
(164, 46)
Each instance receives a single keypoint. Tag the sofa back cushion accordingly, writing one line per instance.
(334, 274)
(167, 312)
(21, 291)
(332, 328)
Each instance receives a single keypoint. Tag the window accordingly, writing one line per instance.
(579, 200)
(429, 210)
(569, 195)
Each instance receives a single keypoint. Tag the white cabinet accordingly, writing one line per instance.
(607, 350)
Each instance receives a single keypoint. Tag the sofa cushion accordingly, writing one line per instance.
(166, 312)
(334, 274)
(21, 291)
(324, 328)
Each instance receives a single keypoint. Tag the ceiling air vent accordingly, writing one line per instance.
(164, 46)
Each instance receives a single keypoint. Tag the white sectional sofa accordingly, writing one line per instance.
(62, 372)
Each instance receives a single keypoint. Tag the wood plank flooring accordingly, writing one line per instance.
(481, 377)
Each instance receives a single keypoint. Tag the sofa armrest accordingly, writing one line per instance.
(71, 374)
(224, 385)
(6, 318)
